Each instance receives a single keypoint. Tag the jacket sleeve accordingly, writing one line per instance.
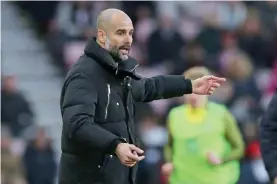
(160, 87)
(269, 138)
(78, 112)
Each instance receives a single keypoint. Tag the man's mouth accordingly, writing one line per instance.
(124, 50)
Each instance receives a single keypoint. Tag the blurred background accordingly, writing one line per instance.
(41, 40)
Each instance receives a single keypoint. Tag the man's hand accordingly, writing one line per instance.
(128, 154)
(206, 85)
(167, 168)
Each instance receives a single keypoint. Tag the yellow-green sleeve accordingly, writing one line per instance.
(234, 137)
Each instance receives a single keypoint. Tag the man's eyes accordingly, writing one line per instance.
(123, 33)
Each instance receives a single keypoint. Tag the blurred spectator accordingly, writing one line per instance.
(245, 101)
(209, 38)
(252, 41)
(189, 26)
(11, 168)
(16, 112)
(132, 8)
(268, 14)
(153, 137)
(75, 19)
(252, 167)
(270, 87)
(145, 25)
(273, 79)
(39, 160)
(229, 46)
(230, 14)
(191, 55)
(165, 42)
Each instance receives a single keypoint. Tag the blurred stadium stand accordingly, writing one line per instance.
(41, 40)
(25, 57)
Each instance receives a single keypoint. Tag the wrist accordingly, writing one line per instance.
(192, 86)
(113, 146)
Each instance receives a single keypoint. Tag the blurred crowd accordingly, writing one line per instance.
(237, 40)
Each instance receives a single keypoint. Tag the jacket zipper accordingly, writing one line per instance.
(134, 68)
(127, 89)
(108, 103)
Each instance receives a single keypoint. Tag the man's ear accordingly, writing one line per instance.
(101, 35)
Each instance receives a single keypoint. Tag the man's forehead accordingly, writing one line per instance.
(123, 26)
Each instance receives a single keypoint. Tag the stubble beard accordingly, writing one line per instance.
(114, 51)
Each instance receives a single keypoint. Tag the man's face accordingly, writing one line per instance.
(9, 84)
(116, 35)
(119, 41)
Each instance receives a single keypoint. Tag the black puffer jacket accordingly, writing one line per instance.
(97, 106)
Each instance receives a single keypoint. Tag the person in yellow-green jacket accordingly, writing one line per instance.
(205, 144)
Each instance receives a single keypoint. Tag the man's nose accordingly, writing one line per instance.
(128, 39)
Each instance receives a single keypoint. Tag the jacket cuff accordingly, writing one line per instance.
(176, 85)
(113, 144)
(188, 86)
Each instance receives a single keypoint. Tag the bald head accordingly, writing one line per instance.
(111, 17)
(114, 32)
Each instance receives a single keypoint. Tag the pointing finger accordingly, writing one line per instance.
(217, 79)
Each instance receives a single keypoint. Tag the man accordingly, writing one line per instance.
(98, 136)
(269, 139)
(204, 144)
(17, 114)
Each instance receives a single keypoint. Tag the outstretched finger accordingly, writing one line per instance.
(217, 79)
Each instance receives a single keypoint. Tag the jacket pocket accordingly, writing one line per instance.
(104, 164)
(112, 170)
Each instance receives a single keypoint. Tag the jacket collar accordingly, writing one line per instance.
(102, 56)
